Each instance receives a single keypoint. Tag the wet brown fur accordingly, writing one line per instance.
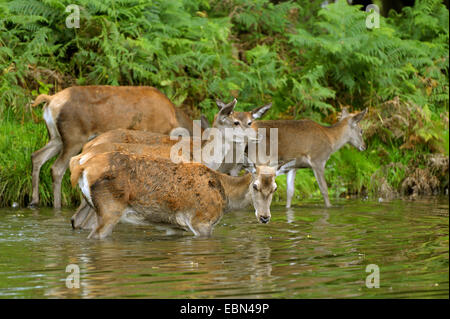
(186, 195)
(138, 149)
(138, 142)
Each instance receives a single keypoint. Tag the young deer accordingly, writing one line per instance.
(188, 196)
(309, 145)
(238, 120)
(76, 114)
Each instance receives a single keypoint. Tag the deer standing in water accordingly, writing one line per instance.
(85, 217)
(189, 196)
(77, 114)
(162, 146)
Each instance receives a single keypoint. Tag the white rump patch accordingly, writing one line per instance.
(84, 186)
(84, 158)
(48, 118)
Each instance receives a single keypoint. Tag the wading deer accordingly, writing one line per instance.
(307, 144)
(79, 113)
(161, 145)
(85, 217)
(189, 196)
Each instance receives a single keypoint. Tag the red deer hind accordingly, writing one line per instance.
(189, 196)
(306, 144)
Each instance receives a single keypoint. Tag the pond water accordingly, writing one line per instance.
(305, 252)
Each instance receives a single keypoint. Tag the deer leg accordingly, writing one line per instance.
(59, 168)
(90, 222)
(80, 215)
(203, 230)
(290, 186)
(39, 158)
(108, 215)
(319, 174)
(202, 226)
(105, 225)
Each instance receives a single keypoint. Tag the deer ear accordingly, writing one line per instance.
(358, 117)
(228, 108)
(248, 165)
(234, 102)
(260, 111)
(220, 104)
(344, 113)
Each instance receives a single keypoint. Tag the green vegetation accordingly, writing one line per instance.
(309, 61)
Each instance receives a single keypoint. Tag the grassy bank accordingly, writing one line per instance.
(17, 143)
(307, 60)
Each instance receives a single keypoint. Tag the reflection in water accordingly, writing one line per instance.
(290, 214)
(304, 252)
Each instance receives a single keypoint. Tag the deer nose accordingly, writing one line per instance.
(264, 219)
(362, 148)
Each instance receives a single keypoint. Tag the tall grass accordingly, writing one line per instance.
(17, 143)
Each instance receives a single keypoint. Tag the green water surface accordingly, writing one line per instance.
(304, 252)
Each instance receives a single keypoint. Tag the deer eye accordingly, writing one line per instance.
(249, 123)
(236, 122)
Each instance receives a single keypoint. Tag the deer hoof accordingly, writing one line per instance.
(72, 221)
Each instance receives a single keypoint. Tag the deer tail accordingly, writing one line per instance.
(75, 170)
(41, 98)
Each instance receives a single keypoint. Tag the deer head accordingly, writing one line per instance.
(355, 136)
(262, 187)
(240, 121)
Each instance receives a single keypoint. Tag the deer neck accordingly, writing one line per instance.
(338, 135)
(237, 190)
